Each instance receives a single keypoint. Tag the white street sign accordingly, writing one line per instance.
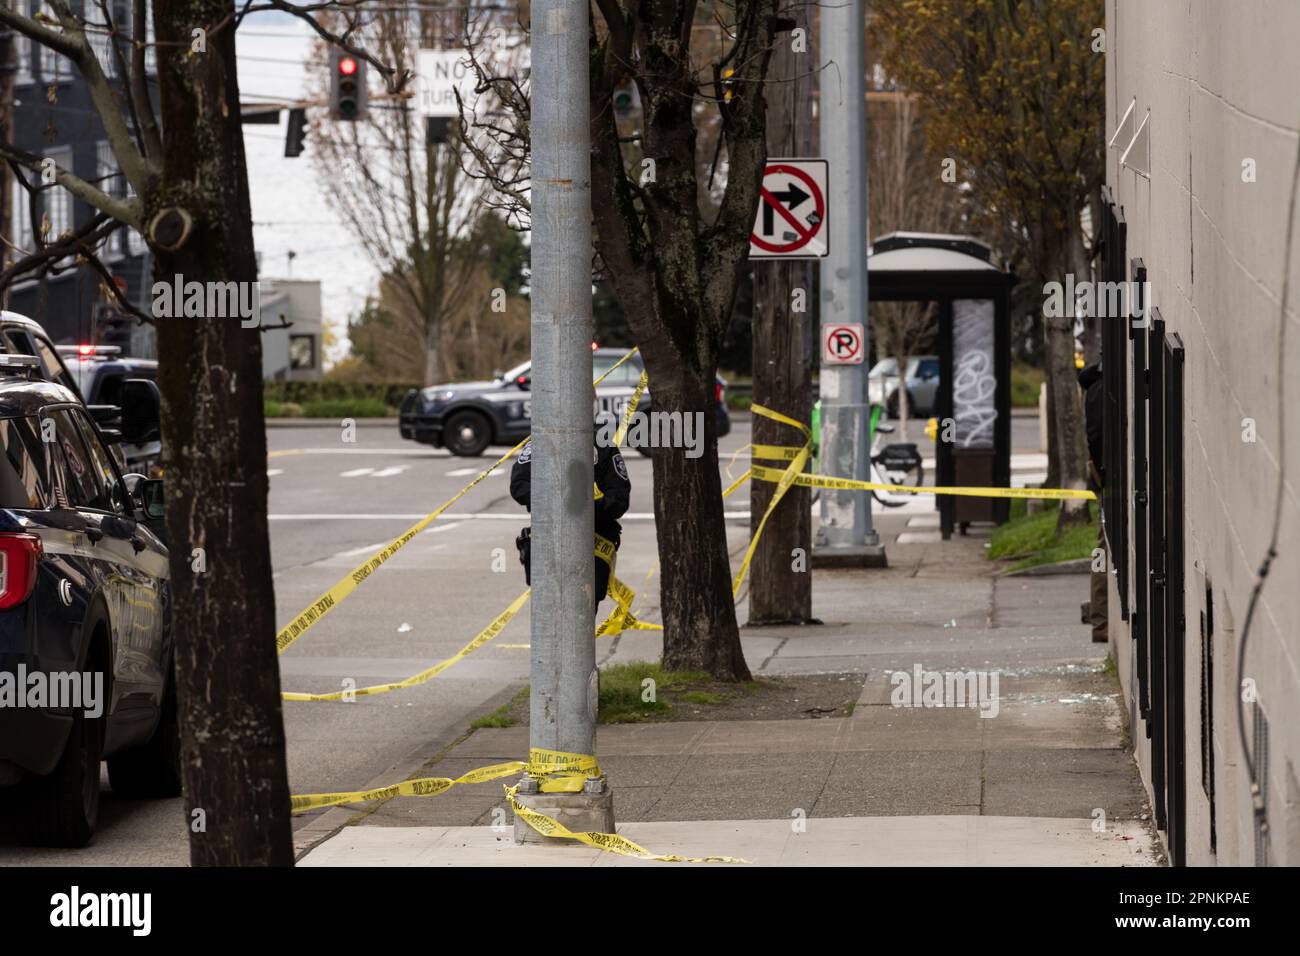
(843, 344)
(439, 74)
(790, 222)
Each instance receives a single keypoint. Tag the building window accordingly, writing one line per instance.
(109, 178)
(54, 66)
(58, 201)
(302, 352)
(22, 46)
(101, 44)
(150, 50)
(20, 224)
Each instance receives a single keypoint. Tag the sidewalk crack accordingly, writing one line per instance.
(776, 650)
(983, 758)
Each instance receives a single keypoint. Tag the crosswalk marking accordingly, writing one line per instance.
(373, 472)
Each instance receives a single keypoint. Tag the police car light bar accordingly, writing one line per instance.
(18, 363)
(89, 351)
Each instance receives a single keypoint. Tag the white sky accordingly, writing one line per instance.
(288, 199)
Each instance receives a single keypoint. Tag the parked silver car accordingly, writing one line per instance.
(922, 380)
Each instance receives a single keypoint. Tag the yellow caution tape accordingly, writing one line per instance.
(762, 473)
(316, 611)
(631, 410)
(483, 636)
(555, 772)
(559, 772)
(737, 483)
(776, 452)
(421, 787)
(627, 418)
(610, 842)
(786, 479)
(621, 619)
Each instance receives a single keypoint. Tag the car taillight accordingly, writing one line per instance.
(717, 392)
(18, 556)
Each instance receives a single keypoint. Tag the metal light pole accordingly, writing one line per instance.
(563, 702)
(845, 535)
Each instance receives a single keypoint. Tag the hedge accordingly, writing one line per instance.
(305, 393)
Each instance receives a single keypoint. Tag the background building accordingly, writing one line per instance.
(1205, 125)
(53, 117)
(291, 317)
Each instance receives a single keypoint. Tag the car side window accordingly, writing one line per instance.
(24, 481)
(55, 370)
(101, 462)
(930, 368)
(77, 481)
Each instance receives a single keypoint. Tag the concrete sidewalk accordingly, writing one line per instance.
(845, 841)
(1043, 778)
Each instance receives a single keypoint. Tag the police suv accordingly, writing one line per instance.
(85, 649)
(100, 372)
(467, 417)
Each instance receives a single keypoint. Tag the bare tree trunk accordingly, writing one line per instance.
(432, 356)
(700, 631)
(904, 401)
(1069, 437)
(780, 590)
(1053, 479)
(210, 372)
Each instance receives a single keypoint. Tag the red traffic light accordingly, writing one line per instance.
(347, 65)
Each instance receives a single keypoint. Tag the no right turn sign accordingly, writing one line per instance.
(842, 344)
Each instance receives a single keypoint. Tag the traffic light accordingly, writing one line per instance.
(297, 132)
(347, 86)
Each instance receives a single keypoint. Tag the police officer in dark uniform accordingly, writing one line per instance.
(611, 479)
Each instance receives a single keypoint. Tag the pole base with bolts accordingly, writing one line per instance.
(867, 555)
(592, 810)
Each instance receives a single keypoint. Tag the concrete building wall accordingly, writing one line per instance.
(1220, 81)
(298, 302)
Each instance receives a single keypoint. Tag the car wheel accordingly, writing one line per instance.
(154, 768)
(466, 434)
(62, 806)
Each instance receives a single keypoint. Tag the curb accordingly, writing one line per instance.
(328, 422)
(1073, 566)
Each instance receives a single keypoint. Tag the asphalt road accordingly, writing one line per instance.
(334, 503)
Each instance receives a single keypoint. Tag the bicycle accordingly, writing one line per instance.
(897, 463)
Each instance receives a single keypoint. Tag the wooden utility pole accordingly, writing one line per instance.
(785, 296)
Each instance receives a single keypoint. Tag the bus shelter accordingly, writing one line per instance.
(974, 401)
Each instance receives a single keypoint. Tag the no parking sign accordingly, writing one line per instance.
(843, 344)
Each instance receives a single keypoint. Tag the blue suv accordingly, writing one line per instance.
(85, 647)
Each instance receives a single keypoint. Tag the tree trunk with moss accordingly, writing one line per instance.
(214, 441)
(675, 269)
